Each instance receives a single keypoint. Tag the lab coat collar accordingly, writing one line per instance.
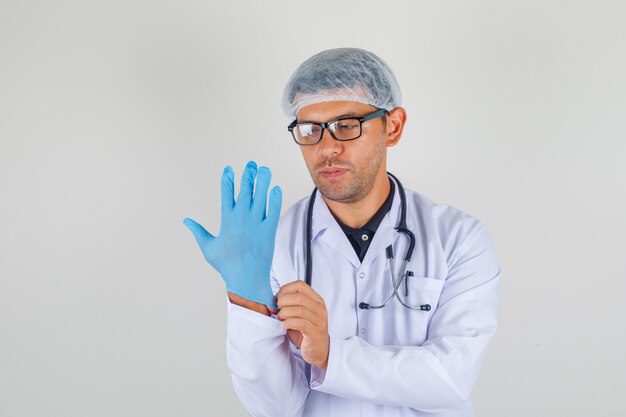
(324, 227)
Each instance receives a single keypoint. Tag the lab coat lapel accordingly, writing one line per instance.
(386, 233)
(326, 231)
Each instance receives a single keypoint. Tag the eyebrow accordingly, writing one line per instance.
(350, 114)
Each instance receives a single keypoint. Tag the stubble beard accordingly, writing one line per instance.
(359, 187)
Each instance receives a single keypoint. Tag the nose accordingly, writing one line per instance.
(328, 145)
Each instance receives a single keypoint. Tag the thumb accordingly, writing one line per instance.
(203, 237)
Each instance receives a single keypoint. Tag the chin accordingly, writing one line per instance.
(338, 193)
(345, 189)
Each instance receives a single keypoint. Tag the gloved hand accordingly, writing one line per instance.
(243, 251)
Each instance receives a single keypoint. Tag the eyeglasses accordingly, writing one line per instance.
(344, 129)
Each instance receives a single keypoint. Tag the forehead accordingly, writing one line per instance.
(325, 111)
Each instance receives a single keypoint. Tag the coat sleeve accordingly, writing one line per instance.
(268, 377)
(438, 375)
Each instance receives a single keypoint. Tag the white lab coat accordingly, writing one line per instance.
(386, 362)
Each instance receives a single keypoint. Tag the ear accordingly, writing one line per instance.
(395, 124)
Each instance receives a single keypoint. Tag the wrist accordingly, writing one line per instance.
(250, 305)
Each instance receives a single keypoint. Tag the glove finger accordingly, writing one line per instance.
(247, 185)
(203, 238)
(273, 210)
(263, 178)
(228, 188)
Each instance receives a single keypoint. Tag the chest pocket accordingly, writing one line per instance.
(421, 291)
(410, 326)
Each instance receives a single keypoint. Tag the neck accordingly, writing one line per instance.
(356, 214)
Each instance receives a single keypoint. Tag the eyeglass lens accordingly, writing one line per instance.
(345, 129)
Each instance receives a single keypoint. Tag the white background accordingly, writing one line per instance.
(117, 118)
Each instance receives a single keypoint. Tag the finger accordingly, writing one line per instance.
(247, 185)
(302, 325)
(276, 201)
(203, 238)
(299, 300)
(299, 312)
(299, 286)
(228, 188)
(263, 178)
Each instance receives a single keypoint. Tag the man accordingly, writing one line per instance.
(372, 335)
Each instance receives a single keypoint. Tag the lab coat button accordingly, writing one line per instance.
(362, 331)
(362, 275)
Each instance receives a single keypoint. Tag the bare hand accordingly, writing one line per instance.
(304, 315)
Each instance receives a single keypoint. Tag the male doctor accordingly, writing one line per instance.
(371, 335)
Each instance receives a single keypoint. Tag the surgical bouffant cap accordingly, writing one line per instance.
(343, 74)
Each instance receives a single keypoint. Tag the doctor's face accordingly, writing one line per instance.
(345, 171)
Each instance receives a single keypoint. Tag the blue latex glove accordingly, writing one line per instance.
(243, 251)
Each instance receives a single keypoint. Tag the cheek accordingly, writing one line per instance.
(364, 152)
(371, 155)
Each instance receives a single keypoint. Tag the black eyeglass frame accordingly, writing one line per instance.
(375, 114)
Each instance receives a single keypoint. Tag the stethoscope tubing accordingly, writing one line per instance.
(401, 228)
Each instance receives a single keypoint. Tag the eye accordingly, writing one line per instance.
(347, 124)
(309, 129)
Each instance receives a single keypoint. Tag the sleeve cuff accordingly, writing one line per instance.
(244, 317)
(322, 379)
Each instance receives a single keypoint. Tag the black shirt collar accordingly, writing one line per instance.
(355, 236)
(374, 222)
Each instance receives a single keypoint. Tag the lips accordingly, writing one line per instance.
(331, 173)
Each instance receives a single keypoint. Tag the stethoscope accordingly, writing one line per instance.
(402, 228)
